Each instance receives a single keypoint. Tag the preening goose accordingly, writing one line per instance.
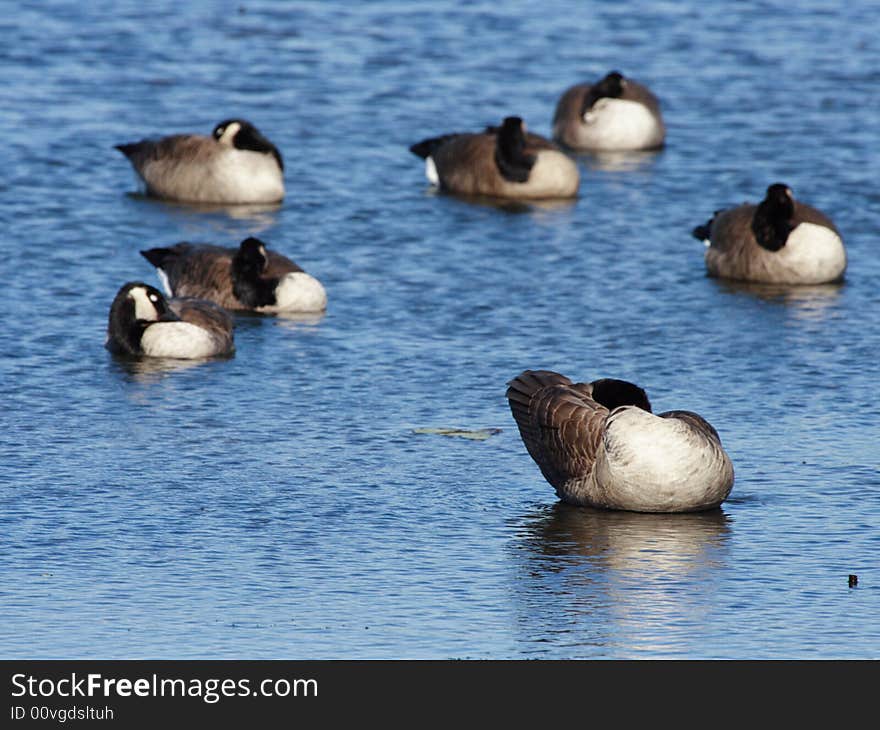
(143, 322)
(612, 114)
(778, 241)
(249, 278)
(502, 162)
(236, 164)
(599, 445)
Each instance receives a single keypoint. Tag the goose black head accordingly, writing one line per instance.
(510, 156)
(251, 257)
(772, 221)
(243, 135)
(135, 307)
(249, 264)
(610, 87)
(780, 196)
(613, 393)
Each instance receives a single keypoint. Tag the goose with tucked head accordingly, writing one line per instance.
(249, 278)
(778, 241)
(599, 445)
(143, 323)
(500, 162)
(610, 115)
(235, 165)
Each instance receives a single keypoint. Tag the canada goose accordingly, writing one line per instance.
(143, 322)
(503, 162)
(236, 164)
(249, 278)
(599, 445)
(615, 113)
(778, 241)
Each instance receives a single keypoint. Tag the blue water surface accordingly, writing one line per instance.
(282, 504)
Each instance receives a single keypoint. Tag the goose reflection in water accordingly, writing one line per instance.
(804, 301)
(154, 369)
(608, 578)
(619, 161)
(293, 321)
(508, 205)
(258, 216)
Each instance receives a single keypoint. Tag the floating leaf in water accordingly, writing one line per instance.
(480, 434)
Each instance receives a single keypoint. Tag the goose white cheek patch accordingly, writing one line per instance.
(229, 133)
(144, 307)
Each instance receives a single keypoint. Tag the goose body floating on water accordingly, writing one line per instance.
(599, 445)
(500, 162)
(778, 241)
(249, 278)
(143, 322)
(613, 114)
(235, 165)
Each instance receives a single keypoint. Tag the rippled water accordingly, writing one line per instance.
(281, 504)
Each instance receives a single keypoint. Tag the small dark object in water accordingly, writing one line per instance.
(853, 581)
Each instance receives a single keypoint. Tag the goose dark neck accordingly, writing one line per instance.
(611, 87)
(256, 142)
(249, 285)
(248, 137)
(613, 393)
(513, 162)
(125, 330)
(772, 222)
